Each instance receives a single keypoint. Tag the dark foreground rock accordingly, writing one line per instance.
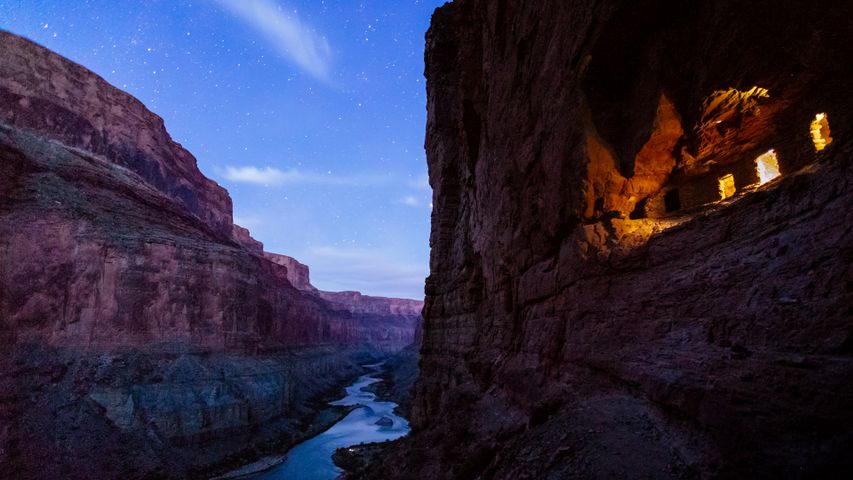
(385, 422)
(596, 308)
(355, 460)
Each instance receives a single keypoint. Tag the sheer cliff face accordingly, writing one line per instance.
(93, 257)
(297, 273)
(111, 236)
(574, 330)
(44, 92)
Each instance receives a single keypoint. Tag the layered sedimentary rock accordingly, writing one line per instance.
(569, 332)
(355, 302)
(298, 273)
(143, 333)
(398, 318)
(117, 263)
(244, 238)
(64, 101)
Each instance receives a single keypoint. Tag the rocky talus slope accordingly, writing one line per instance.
(575, 328)
(142, 332)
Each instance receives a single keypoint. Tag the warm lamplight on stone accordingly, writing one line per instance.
(820, 131)
(727, 186)
(767, 166)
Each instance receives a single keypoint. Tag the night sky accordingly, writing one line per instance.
(311, 113)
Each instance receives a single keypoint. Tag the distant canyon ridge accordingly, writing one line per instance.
(143, 332)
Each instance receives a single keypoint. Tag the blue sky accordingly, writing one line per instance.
(310, 113)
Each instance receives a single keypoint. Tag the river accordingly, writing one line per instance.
(312, 459)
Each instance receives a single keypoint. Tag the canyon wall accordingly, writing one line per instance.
(297, 273)
(133, 312)
(571, 332)
(66, 102)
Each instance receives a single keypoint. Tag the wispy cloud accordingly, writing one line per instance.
(274, 177)
(414, 202)
(294, 39)
(260, 176)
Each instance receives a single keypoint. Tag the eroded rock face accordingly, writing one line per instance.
(143, 333)
(44, 92)
(244, 238)
(298, 273)
(300, 277)
(563, 339)
(391, 321)
(98, 251)
(117, 263)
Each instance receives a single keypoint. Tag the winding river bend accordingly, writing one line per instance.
(312, 459)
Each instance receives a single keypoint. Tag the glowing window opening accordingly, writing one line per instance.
(767, 166)
(727, 186)
(820, 131)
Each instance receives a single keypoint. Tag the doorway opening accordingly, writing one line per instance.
(820, 131)
(672, 201)
(767, 167)
(727, 186)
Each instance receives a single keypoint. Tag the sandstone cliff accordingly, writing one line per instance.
(143, 333)
(111, 235)
(117, 263)
(64, 101)
(596, 308)
(392, 322)
(297, 273)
